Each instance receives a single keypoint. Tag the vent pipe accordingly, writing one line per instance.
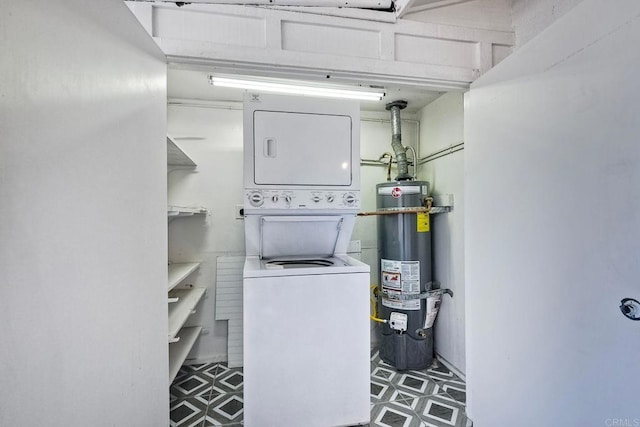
(396, 139)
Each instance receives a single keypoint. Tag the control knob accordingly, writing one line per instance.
(274, 198)
(287, 199)
(316, 199)
(330, 198)
(256, 199)
(349, 199)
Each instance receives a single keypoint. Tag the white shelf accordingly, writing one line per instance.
(177, 157)
(180, 271)
(179, 350)
(178, 211)
(181, 301)
(180, 311)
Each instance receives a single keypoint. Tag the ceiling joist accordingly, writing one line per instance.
(357, 4)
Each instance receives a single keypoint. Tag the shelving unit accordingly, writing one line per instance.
(179, 350)
(177, 157)
(180, 310)
(179, 211)
(182, 300)
(180, 271)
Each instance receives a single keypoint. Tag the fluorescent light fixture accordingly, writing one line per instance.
(293, 88)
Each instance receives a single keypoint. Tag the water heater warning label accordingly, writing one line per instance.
(422, 222)
(391, 280)
(400, 278)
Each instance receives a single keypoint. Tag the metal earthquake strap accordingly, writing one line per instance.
(423, 295)
(404, 297)
(397, 211)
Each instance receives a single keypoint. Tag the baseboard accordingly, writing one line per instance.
(451, 367)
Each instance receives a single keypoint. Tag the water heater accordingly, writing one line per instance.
(404, 246)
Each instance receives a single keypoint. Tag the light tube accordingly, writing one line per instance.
(295, 89)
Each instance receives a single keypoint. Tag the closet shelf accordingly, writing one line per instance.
(181, 300)
(180, 311)
(177, 157)
(180, 271)
(179, 211)
(179, 350)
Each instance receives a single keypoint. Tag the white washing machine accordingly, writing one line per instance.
(306, 342)
(305, 303)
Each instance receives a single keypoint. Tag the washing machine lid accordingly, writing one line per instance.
(306, 236)
(254, 267)
(299, 263)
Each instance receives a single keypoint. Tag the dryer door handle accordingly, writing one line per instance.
(270, 147)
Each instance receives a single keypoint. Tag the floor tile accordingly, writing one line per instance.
(192, 384)
(381, 391)
(382, 363)
(188, 412)
(440, 412)
(203, 369)
(231, 380)
(439, 372)
(200, 367)
(211, 395)
(415, 383)
(382, 372)
(386, 415)
(222, 367)
(405, 401)
(225, 409)
(455, 389)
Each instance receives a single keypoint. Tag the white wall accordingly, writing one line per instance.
(531, 17)
(552, 169)
(217, 184)
(83, 231)
(441, 125)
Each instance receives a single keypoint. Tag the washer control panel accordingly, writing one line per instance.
(301, 199)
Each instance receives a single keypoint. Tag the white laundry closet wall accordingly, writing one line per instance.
(442, 126)
(83, 233)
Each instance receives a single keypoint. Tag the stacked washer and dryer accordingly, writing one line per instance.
(306, 303)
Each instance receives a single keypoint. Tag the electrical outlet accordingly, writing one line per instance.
(239, 211)
(355, 246)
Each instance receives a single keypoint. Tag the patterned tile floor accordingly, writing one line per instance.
(211, 395)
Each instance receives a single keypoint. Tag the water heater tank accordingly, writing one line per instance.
(404, 246)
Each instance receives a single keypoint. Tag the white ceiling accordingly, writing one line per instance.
(192, 83)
